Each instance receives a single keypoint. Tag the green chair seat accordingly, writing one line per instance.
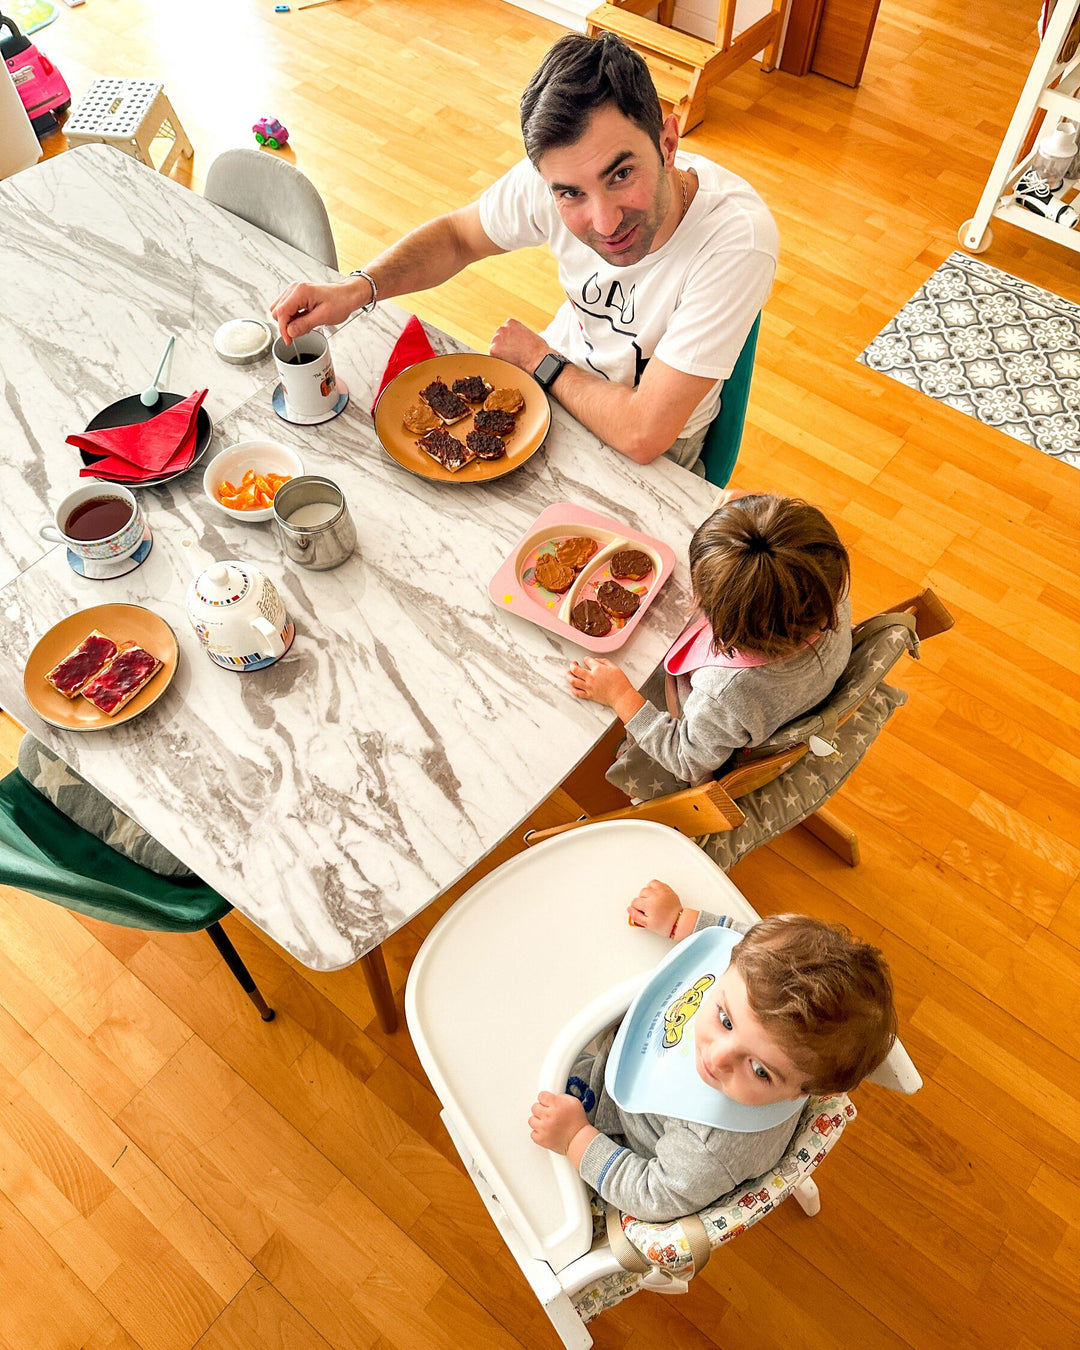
(44, 852)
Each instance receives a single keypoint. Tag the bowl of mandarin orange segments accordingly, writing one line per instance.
(243, 478)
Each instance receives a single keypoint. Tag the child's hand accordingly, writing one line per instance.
(603, 682)
(655, 907)
(555, 1119)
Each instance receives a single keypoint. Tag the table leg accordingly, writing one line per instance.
(378, 983)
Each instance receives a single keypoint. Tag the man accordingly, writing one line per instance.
(666, 258)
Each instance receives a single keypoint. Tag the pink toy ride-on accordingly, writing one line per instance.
(269, 131)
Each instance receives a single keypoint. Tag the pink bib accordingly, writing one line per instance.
(693, 649)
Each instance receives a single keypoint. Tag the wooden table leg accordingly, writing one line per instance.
(378, 983)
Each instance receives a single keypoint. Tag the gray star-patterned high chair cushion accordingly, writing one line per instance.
(92, 811)
(808, 784)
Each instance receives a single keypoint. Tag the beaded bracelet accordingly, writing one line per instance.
(366, 309)
(675, 924)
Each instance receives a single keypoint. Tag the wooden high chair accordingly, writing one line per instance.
(807, 759)
(684, 68)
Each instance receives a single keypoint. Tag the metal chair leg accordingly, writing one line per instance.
(222, 942)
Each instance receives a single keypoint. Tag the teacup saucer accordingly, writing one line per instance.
(106, 568)
(279, 407)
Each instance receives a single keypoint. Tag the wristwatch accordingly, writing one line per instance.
(547, 372)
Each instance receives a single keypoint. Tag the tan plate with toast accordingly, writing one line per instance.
(531, 428)
(123, 623)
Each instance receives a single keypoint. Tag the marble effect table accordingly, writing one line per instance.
(412, 726)
(101, 259)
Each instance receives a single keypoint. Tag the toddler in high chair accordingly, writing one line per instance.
(773, 635)
(701, 1085)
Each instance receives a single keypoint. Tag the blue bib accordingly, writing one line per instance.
(651, 1067)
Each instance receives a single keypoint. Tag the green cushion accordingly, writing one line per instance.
(86, 806)
(44, 852)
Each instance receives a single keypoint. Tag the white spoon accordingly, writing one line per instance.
(149, 396)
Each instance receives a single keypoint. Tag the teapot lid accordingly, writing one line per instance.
(222, 583)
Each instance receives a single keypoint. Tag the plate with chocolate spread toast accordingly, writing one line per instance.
(582, 575)
(100, 667)
(462, 418)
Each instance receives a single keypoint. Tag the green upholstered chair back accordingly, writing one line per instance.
(720, 448)
(44, 852)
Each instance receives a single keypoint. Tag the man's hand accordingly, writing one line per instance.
(519, 345)
(603, 682)
(304, 306)
(556, 1118)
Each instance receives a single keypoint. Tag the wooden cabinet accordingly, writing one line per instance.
(829, 37)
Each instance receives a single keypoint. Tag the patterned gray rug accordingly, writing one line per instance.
(994, 347)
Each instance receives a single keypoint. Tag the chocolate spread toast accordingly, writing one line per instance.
(449, 406)
(446, 450)
(617, 600)
(552, 574)
(485, 446)
(576, 551)
(472, 387)
(590, 619)
(494, 420)
(630, 565)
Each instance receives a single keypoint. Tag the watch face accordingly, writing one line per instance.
(548, 368)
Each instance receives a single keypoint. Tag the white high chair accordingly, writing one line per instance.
(521, 973)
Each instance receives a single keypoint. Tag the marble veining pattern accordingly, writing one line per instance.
(412, 725)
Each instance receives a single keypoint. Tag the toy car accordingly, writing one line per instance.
(269, 131)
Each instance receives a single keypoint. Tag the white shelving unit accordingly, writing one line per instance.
(1054, 86)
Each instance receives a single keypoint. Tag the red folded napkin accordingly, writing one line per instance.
(118, 470)
(147, 448)
(411, 346)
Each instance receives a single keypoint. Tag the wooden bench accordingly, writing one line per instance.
(684, 68)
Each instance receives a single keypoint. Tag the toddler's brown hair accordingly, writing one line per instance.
(825, 996)
(769, 573)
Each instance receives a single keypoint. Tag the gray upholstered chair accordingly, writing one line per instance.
(787, 780)
(272, 194)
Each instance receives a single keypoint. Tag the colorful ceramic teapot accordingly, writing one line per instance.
(239, 616)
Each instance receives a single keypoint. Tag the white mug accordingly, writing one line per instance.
(119, 530)
(307, 375)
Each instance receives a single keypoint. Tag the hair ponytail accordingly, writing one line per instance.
(769, 573)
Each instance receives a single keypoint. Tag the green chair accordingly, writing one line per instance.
(720, 448)
(44, 852)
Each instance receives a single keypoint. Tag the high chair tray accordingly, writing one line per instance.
(518, 976)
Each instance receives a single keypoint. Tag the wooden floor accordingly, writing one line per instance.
(175, 1173)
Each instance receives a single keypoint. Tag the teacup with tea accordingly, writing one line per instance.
(101, 522)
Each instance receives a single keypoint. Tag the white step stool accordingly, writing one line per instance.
(128, 114)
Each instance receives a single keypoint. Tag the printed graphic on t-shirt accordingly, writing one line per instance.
(615, 308)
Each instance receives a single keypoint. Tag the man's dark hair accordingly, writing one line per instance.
(577, 76)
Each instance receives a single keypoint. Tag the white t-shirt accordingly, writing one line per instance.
(691, 302)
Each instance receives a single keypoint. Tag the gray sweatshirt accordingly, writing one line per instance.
(660, 1168)
(722, 710)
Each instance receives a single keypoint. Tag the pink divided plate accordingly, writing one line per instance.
(514, 586)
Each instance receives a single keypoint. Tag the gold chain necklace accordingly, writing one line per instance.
(682, 180)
